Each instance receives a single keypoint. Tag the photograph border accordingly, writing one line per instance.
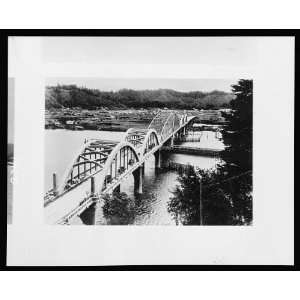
(4, 34)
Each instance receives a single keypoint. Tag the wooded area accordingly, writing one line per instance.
(73, 96)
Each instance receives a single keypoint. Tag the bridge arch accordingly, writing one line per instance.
(94, 157)
(183, 119)
(165, 122)
(143, 140)
(88, 160)
(94, 154)
(191, 119)
(151, 140)
(171, 124)
(156, 122)
(123, 157)
(135, 136)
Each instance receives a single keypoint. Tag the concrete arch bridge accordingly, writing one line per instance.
(100, 165)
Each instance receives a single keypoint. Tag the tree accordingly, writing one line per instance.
(184, 206)
(237, 156)
(118, 209)
(227, 191)
(237, 135)
(73, 96)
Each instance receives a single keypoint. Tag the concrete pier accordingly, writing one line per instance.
(157, 156)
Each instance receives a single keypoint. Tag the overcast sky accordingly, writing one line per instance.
(183, 54)
(114, 84)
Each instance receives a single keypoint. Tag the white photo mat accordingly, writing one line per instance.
(269, 241)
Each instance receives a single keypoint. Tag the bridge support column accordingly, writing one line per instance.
(138, 180)
(157, 156)
(92, 186)
(172, 140)
(143, 168)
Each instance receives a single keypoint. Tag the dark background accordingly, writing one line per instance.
(180, 32)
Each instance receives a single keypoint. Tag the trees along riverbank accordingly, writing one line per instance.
(226, 191)
(118, 209)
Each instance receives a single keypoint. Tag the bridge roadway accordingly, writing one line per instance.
(69, 202)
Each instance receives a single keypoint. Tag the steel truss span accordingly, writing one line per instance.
(144, 140)
(101, 165)
(110, 158)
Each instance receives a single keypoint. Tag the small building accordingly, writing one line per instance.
(70, 122)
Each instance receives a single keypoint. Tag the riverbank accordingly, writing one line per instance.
(115, 120)
(100, 119)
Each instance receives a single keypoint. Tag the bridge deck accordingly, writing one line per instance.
(72, 201)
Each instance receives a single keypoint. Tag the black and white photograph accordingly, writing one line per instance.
(128, 146)
(148, 151)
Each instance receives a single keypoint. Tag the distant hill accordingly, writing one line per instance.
(73, 96)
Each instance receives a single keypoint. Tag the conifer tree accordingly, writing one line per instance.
(227, 191)
(237, 156)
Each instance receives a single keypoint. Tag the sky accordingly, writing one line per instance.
(179, 63)
(114, 84)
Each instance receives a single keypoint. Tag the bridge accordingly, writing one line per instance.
(100, 165)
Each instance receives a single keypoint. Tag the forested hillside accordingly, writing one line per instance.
(73, 96)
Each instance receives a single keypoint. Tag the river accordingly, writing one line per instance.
(151, 206)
